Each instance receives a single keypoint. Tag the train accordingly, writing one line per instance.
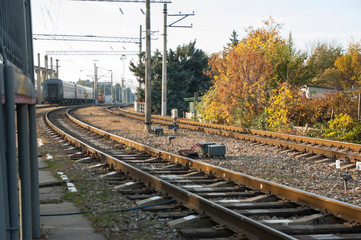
(66, 93)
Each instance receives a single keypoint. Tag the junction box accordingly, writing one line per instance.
(204, 147)
(216, 150)
(157, 130)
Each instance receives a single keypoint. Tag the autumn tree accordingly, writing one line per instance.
(245, 74)
(350, 65)
(320, 66)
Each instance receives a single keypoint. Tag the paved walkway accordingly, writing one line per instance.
(76, 227)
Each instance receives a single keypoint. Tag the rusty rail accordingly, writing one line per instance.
(271, 138)
(347, 211)
(232, 220)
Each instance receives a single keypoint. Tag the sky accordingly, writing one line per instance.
(310, 21)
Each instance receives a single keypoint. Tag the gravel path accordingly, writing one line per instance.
(253, 159)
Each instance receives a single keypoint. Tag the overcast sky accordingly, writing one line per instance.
(214, 20)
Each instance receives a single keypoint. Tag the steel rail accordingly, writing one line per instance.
(263, 136)
(323, 204)
(232, 220)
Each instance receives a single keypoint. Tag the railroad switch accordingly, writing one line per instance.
(188, 153)
(157, 130)
(170, 138)
(346, 178)
(174, 126)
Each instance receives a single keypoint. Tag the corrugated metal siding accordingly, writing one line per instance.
(68, 90)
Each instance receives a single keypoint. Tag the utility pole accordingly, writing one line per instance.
(147, 69)
(38, 76)
(95, 83)
(111, 86)
(46, 67)
(51, 68)
(140, 50)
(119, 93)
(57, 68)
(164, 65)
(123, 57)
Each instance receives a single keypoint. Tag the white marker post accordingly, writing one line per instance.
(358, 168)
(338, 166)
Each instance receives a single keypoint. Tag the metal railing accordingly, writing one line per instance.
(17, 99)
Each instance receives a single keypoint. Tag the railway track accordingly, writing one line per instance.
(236, 203)
(312, 148)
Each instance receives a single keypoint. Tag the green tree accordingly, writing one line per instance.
(319, 69)
(233, 39)
(185, 68)
(85, 83)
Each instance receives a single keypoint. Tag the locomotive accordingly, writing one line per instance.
(62, 92)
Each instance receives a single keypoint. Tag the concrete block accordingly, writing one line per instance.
(192, 221)
(129, 186)
(150, 201)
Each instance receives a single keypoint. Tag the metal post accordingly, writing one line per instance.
(119, 93)
(38, 82)
(164, 75)
(147, 69)
(95, 84)
(57, 69)
(46, 68)
(11, 152)
(124, 100)
(359, 107)
(24, 169)
(111, 86)
(140, 50)
(195, 103)
(34, 170)
(4, 207)
(51, 74)
(126, 96)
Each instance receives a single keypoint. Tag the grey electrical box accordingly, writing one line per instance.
(204, 146)
(157, 130)
(217, 150)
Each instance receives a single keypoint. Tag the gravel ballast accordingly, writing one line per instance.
(257, 160)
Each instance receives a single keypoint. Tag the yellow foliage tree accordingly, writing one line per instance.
(350, 65)
(282, 102)
(244, 74)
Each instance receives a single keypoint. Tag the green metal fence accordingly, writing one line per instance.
(17, 93)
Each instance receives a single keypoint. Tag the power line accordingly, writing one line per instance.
(92, 52)
(89, 38)
(183, 16)
(129, 1)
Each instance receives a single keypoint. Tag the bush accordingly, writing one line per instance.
(343, 128)
(354, 135)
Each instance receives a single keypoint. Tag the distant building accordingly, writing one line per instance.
(313, 92)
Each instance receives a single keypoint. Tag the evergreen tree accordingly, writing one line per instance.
(234, 39)
(185, 68)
